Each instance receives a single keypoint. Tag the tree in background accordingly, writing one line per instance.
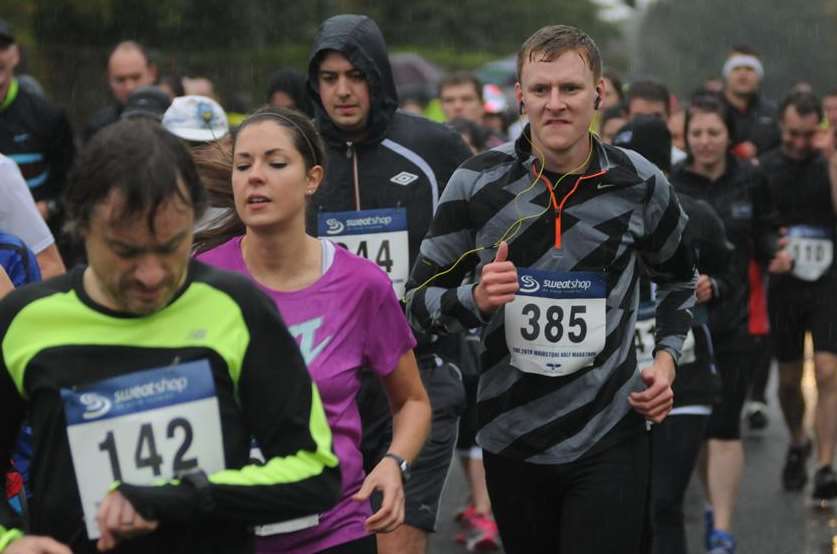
(683, 42)
(238, 44)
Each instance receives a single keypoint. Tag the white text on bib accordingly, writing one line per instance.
(142, 428)
(556, 323)
(377, 235)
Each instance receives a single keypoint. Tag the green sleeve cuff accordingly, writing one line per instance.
(8, 536)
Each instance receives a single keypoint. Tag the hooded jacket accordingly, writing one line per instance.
(403, 161)
(749, 217)
(756, 124)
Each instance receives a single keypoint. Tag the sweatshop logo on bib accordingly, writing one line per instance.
(95, 405)
(138, 391)
(568, 285)
(156, 391)
(367, 221)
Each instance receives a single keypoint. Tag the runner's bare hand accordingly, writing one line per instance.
(498, 282)
(656, 401)
(118, 520)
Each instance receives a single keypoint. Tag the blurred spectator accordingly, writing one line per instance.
(652, 98)
(614, 92)
(196, 119)
(414, 101)
(829, 106)
(202, 123)
(756, 128)
(172, 85)
(472, 134)
(287, 90)
(33, 133)
(612, 120)
(129, 67)
(677, 128)
(648, 98)
(495, 110)
(19, 216)
(151, 102)
(199, 86)
(461, 96)
(714, 85)
(802, 86)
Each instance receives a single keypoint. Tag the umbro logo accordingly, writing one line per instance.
(403, 178)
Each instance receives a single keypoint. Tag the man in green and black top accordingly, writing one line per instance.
(145, 375)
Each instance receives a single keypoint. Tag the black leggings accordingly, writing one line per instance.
(725, 421)
(365, 545)
(675, 444)
(762, 358)
(594, 505)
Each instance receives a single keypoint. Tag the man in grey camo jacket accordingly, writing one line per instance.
(560, 227)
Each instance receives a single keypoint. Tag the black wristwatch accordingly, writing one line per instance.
(199, 481)
(402, 465)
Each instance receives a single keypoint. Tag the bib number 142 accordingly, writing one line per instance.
(146, 453)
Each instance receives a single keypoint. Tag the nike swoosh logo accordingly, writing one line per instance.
(605, 186)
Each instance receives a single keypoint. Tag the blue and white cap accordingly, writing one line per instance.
(196, 118)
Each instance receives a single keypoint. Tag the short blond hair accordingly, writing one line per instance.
(553, 40)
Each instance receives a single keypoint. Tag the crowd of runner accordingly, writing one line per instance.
(274, 332)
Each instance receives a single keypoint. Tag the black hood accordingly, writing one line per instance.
(359, 39)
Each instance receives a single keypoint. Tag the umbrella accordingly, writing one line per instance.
(414, 75)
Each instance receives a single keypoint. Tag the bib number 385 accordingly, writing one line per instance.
(556, 323)
(142, 428)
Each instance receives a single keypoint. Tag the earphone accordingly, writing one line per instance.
(517, 226)
(522, 107)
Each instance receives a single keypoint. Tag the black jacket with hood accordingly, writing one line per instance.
(750, 220)
(756, 124)
(396, 148)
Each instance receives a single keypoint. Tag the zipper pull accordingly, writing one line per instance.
(349, 148)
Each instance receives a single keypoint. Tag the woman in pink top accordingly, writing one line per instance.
(341, 309)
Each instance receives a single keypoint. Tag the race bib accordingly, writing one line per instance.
(644, 343)
(377, 235)
(812, 249)
(282, 527)
(142, 428)
(556, 323)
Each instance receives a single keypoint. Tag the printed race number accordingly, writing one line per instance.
(556, 323)
(812, 249)
(383, 257)
(377, 235)
(553, 323)
(146, 454)
(142, 428)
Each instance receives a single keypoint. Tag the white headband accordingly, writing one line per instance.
(743, 60)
